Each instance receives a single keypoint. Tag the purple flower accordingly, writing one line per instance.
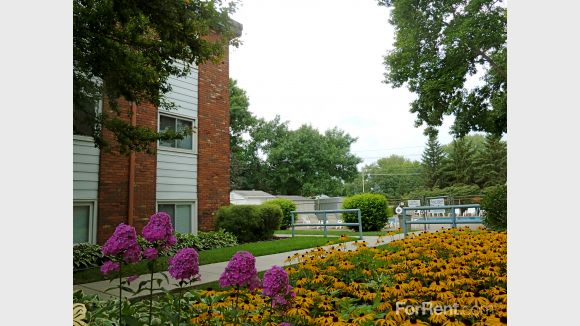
(133, 254)
(276, 286)
(241, 271)
(132, 278)
(184, 265)
(159, 228)
(150, 253)
(122, 239)
(110, 266)
(284, 324)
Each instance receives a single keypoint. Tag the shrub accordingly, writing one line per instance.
(494, 203)
(216, 239)
(249, 223)
(374, 211)
(86, 255)
(204, 240)
(241, 220)
(286, 205)
(271, 216)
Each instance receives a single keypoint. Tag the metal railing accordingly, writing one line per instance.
(325, 223)
(452, 219)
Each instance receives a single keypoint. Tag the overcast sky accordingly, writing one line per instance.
(320, 62)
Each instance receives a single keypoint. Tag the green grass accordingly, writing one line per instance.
(349, 233)
(215, 256)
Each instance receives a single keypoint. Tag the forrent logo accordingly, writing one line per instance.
(427, 308)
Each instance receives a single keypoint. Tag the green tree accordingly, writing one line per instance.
(459, 165)
(307, 163)
(432, 163)
(491, 163)
(438, 45)
(128, 49)
(393, 176)
(242, 122)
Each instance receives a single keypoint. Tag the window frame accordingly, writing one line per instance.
(98, 110)
(175, 116)
(92, 219)
(191, 203)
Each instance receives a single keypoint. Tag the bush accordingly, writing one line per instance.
(203, 241)
(250, 223)
(494, 203)
(86, 255)
(216, 239)
(271, 216)
(374, 211)
(286, 205)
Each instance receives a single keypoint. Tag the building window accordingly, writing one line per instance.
(181, 216)
(167, 123)
(82, 222)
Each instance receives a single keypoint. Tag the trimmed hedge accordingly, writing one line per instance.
(374, 211)
(286, 205)
(250, 223)
(494, 203)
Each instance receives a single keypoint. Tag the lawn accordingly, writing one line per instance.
(216, 255)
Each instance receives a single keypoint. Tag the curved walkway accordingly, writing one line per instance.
(212, 272)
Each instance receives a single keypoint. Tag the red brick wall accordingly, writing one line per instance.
(213, 169)
(114, 178)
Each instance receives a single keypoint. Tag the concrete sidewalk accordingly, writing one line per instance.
(212, 272)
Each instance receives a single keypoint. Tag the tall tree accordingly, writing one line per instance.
(459, 165)
(128, 49)
(432, 163)
(491, 163)
(393, 176)
(307, 163)
(242, 123)
(438, 44)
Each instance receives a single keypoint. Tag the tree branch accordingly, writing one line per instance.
(494, 65)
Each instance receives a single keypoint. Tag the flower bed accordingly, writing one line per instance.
(423, 274)
(452, 277)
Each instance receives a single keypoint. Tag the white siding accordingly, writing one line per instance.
(85, 169)
(184, 94)
(177, 170)
(176, 176)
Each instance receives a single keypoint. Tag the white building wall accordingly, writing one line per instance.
(85, 169)
(177, 168)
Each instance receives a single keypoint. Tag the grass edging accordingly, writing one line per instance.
(211, 256)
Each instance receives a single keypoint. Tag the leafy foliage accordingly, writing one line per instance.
(204, 240)
(249, 223)
(438, 45)
(432, 162)
(494, 202)
(453, 191)
(128, 49)
(491, 162)
(271, 216)
(459, 165)
(267, 155)
(374, 211)
(287, 206)
(307, 163)
(86, 255)
(393, 176)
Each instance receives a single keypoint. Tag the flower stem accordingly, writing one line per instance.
(151, 294)
(179, 304)
(120, 293)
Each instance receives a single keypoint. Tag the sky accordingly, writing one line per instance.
(320, 62)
